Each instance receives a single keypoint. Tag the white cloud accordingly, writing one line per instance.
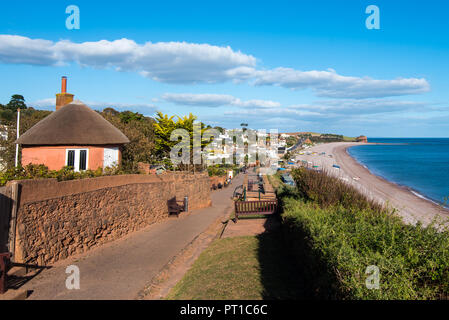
(187, 63)
(364, 106)
(216, 100)
(172, 62)
(330, 84)
(330, 113)
(43, 104)
(198, 100)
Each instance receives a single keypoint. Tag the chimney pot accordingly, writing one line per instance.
(64, 85)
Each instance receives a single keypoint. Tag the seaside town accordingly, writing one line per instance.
(216, 196)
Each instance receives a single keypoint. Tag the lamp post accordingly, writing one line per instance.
(18, 134)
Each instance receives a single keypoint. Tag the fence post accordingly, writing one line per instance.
(236, 210)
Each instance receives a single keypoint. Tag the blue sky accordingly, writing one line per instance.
(286, 65)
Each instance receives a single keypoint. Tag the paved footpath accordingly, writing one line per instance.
(120, 269)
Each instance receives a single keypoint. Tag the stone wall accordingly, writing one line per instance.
(59, 219)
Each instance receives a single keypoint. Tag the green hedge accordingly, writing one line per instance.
(32, 171)
(221, 170)
(335, 246)
(335, 241)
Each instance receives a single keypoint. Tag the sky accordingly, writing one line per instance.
(285, 65)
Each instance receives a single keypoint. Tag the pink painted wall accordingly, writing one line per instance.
(54, 156)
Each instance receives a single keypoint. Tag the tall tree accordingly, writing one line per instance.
(140, 132)
(163, 128)
(17, 101)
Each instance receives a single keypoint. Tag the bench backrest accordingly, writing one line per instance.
(256, 207)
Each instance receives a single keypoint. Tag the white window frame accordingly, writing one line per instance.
(77, 158)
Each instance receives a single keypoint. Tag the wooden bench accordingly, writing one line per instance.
(175, 207)
(252, 208)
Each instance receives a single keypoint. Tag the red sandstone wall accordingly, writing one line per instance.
(59, 219)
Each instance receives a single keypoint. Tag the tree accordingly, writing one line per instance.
(28, 118)
(140, 132)
(163, 128)
(17, 101)
(220, 129)
(129, 116)
(291, 141)
(6, 116)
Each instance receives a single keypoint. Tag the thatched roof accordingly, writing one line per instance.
(73, 124)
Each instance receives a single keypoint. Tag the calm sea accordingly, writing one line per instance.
(421, 164)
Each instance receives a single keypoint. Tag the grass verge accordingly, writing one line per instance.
(248, 268)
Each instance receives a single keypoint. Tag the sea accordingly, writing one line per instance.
(421, 164)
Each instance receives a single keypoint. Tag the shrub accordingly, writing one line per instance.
(336, 237)
(335, 245)
(327, 191)
(222, 170)
(33, 171)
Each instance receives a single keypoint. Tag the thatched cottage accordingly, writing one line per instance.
(74, 135)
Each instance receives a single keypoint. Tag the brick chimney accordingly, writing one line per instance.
(63, 98)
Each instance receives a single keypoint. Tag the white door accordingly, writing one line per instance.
(110, 157)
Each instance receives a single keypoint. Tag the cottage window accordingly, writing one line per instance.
(77, 158)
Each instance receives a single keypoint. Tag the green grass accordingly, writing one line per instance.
(251, 267)
(349, 139)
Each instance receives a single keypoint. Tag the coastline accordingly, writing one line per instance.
(405, 187)
(411, 206)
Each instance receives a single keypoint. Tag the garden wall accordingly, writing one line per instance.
(59, 219)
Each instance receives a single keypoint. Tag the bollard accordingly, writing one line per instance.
(4, 263)
(186, 204)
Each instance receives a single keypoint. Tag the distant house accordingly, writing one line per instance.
(74, 135)
(307, 141)
(362, 139)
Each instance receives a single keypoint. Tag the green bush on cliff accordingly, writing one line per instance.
(327, 191)
(335, 240)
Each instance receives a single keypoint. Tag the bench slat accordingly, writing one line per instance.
(262, 207)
